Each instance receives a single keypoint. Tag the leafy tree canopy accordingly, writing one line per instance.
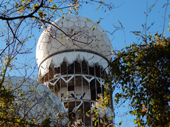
(142, 71)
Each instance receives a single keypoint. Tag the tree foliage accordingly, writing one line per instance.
(18, 20)
(142, 71)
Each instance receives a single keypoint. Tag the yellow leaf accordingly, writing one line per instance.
(50, 1)
(60, 11)
(87, 19)
(120, 122)
(16, 4)
(34, 120)
(40, 12)
(98, 7)
(18, 120)
(92, 29)
(3, 71)
(67, 19)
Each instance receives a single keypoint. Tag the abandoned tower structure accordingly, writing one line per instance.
(72, 55)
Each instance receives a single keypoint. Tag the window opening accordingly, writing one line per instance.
(64, 68)
(77, 68)
(98, 89)
(71, 69)
(57, 70)
(70, 88)
(97, 69)
(78, 86)
(72, 116)
(93, 92)
(91, 70)
(87, 107)
(84, 67)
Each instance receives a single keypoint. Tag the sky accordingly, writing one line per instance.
(131, 14)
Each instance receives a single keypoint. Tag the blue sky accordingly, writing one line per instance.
(131, 14)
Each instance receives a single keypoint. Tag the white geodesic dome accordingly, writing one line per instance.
(33, 100)
(67, 38)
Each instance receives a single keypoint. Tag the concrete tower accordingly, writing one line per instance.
(72, 55)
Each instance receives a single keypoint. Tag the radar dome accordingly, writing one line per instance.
(34, 100)
(79, 35)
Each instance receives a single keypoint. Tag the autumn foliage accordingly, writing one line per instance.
(142, 71)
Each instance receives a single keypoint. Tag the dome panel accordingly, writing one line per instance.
(100, 29)
(90, 24)
(96, 32)
(81, 24)
(70, 24)
(73, 19)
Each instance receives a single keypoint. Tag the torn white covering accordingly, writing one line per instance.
(77, 33)
(70, 57)
(34, 100)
